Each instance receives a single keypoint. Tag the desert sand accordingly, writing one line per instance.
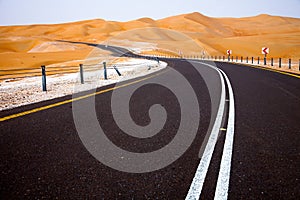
(27, 47)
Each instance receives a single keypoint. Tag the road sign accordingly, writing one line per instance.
(265, 50)
(229, 52)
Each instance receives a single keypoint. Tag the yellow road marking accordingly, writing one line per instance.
(75, 99)
(223, 129)
(269, 69)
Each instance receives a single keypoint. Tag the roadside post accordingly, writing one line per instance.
(272, 62)
(241, 59)
(118, 72)
(247, 59)
(279, 62)
(252, 60)
(265, 59)
(44, 78)
(258, 60)
(81, 73)
(290, 63)
(105, 70)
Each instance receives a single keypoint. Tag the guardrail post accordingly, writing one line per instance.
(252, 60)
(247, 59)
(236, 58)
(81, 73)
(105, 70)
(118, 72)
(241, 59)
(299, 64)
(290, 63)
(272, 62)
(44, 85)
(258, 60)
(265, 60)
(279, 62)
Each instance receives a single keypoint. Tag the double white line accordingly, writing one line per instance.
(222, 187)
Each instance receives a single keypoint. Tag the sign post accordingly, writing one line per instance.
(229, 52)
(265, 51)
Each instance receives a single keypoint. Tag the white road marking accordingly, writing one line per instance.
(225, 167)
(197, 184)
(224, 173)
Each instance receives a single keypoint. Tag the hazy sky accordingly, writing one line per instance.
(13, 12)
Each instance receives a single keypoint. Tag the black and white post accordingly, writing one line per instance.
(105, 70)
(44, 83)
(279, 63)
(81, 73)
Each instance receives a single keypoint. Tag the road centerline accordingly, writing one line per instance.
(225, 166)
(200, 175)
(221, 192)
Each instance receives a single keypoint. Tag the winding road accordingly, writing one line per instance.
(208, 130)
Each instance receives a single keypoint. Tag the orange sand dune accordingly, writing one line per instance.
(31, 46)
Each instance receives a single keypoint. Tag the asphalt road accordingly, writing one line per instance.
(43, 155)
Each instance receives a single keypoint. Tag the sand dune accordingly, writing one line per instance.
(194, 33)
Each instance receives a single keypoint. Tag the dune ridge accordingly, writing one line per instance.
(29, 46)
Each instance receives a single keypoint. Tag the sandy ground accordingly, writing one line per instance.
(188, 34)
(29, 90)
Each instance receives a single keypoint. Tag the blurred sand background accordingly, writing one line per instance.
(31, 46)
